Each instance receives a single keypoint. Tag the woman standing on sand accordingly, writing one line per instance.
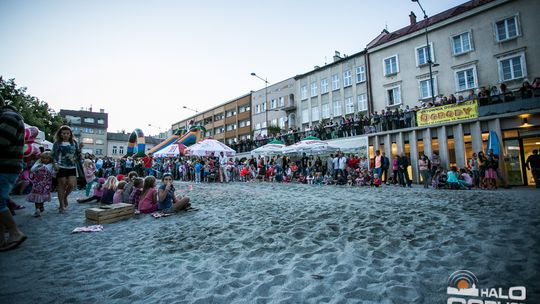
(423, 165)
(66, 153)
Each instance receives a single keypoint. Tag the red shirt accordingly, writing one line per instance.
(147, 161)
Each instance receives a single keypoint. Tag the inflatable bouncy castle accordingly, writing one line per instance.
(186, 137)
(136, 137)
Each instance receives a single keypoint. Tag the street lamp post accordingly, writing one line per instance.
(157, 127)
(194, 110)
(265, 100)
(430, 63)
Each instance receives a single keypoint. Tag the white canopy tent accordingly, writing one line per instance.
(172, 150)
(311, 146)
(208, 146)
(274, 147)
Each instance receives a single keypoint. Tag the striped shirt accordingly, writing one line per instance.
(11, 140)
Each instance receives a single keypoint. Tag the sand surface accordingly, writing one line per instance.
(281, 243)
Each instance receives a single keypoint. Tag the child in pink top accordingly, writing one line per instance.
(97, 192)
(148, 201)
(119, 194)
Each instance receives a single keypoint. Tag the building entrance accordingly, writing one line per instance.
(529, 144)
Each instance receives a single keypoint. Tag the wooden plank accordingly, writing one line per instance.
(99, 213)
(104, 212)
(113, 215)
(111, 220)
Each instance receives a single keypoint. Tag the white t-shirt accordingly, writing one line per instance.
(342, 161)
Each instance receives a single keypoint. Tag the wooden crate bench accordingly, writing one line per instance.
(109, 213)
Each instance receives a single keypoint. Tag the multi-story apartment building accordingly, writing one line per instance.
(117, 144)
(273, 106)
(89, 128)
(228, 122)
(332, 91)
(481, 43)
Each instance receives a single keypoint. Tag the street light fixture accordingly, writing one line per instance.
(430, 62)
(159, 129)
(194, 110)
(265, 100)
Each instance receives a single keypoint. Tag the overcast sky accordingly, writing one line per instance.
(142, 61)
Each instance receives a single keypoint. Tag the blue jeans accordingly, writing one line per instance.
(378, 171)
(7, 181)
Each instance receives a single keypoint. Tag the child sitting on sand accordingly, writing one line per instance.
(245, 174)
(367, 177)
(341, 180)
(309, 179)
(89, 169)
(119, 194)
(148, 201)
(318, 178)
(109, 190)
(350, 180)
(327, 180)
(168, 202)
(452, 178)
(376, 180)
(359, 180)
(128, 188)
(135, 195)
(96, 194)
(465, 179)
(42, 182)
(301, 178)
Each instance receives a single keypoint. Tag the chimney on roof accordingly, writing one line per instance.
(337, 56)
(412, 18)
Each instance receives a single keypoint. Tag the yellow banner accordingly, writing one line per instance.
(447, 113)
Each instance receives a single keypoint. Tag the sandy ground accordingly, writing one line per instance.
(277, 243)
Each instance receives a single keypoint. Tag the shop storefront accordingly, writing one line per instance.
(455, 132)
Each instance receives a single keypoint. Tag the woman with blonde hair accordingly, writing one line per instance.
(66, 153)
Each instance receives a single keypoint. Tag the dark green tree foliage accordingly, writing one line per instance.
(34, 111)
(273, 130)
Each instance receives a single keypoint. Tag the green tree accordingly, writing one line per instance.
(34, 111)
(273, 130)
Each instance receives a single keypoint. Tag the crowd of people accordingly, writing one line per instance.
(481, 172)
(134, 180)
(63, 169)
(389, 119)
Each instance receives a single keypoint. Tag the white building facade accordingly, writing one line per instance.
(270, 107)
(478, 44)
(333, 91)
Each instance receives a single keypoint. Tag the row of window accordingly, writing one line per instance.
(76, 120)
(274, 104)
(92, 141)
(118, 150)
(347, 82)
(241, 124)
(350, 108)
(228, 113)
(280, 122)
(510, 67)
(78, 130)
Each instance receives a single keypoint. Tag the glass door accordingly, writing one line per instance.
(513, 162)
(530, 144)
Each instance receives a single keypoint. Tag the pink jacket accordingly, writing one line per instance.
(89, 173)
